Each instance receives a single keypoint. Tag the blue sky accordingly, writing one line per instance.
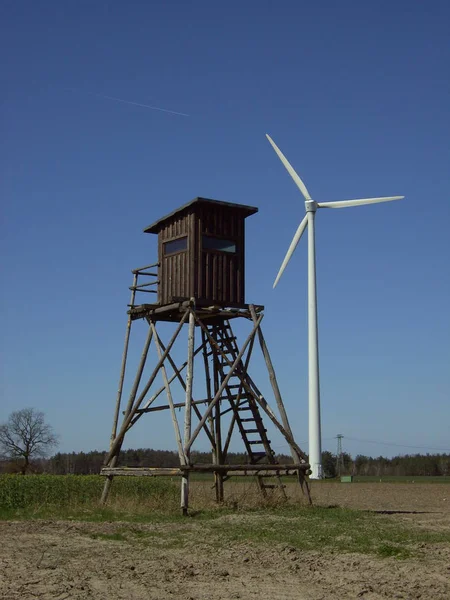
(356, 94)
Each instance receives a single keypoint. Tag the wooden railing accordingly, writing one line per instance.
(142, 287)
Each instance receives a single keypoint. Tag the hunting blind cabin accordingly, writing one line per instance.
(199, 282)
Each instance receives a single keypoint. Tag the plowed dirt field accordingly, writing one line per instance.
(62, 560)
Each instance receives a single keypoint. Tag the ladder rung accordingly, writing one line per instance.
(252, 430)
(229, 338)
(230, 397)
(258, 455)
(255, 442)
(247, 420)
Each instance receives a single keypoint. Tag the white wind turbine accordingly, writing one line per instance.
(315, 450)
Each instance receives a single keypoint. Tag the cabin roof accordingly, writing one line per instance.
(243, 208)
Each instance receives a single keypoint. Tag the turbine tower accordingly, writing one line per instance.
(311, 206)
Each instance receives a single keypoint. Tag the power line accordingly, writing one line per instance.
(287, 445)
(305, 443)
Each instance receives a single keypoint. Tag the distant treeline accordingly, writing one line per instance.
(406, 465)
(88, 463)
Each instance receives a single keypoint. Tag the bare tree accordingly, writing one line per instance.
(26, 435)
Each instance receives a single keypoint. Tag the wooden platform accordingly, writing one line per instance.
(174, 312)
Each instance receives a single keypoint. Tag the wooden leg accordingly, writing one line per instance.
(188, 412)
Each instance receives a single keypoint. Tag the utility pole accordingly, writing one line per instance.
(339, 456)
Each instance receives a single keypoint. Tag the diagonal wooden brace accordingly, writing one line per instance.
(177, 374)
(144, 392)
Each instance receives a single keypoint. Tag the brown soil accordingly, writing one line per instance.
(423, 497)
(67, 560)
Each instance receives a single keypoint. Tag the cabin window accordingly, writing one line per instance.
(174, 246)
(213, 243)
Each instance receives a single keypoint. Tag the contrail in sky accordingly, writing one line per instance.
(172, 112)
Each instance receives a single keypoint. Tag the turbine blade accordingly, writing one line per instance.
(359, 202)
(295, 240)
(301, 186)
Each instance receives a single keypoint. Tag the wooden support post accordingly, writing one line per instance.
(218, 477)
(187, 414)
(176, 427)
(108, 480)
(114, 459)
(214, 417)
(208, 390)
(216, 447)
(123, 366)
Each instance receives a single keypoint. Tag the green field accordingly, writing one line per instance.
(19, 492)
(61, 495)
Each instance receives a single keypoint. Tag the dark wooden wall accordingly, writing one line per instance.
(176, 270)
(219, 276)
(210, 276)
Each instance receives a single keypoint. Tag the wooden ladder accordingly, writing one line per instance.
(246, 413)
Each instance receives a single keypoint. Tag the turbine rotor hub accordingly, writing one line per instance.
(311, 206)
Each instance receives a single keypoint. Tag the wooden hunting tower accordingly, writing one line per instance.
(199, 282)
(201, 253)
